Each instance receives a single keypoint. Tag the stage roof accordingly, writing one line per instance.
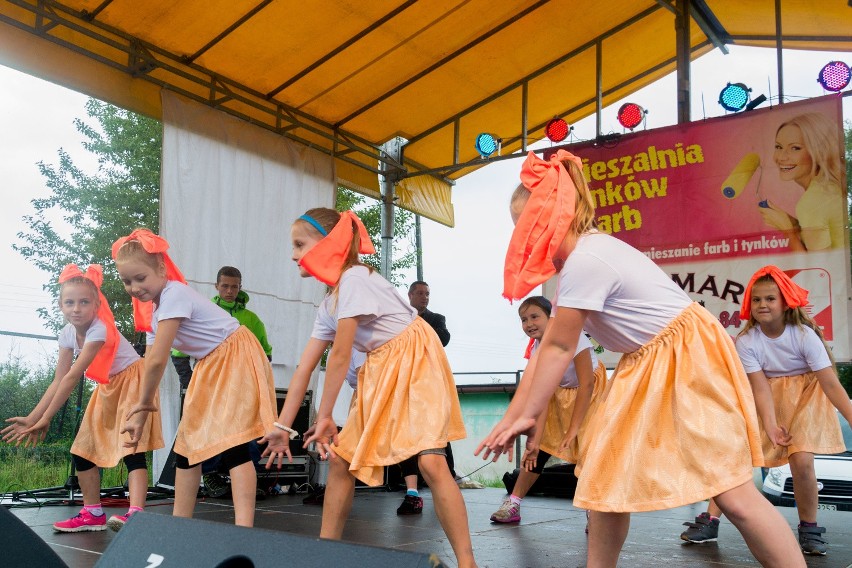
(347, 76)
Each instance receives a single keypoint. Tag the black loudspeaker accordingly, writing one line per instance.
(22, 548)
(555, 481)
(149, 539)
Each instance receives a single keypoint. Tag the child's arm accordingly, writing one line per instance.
(557, 349)
(835, 392)
(65, 386)
(530, 457)
(337, 365)
(766, 409)
(156, 357)
(18, 424)
(586, 378)
(278, 441)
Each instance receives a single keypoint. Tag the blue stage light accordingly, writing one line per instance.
(734, 97)
(486, 144)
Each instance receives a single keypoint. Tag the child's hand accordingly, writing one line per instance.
(502, 437)
(325, 435)
(134, 423)
(17, 424)
(35, 433)
(569, 439)
(530, 456)
(277, 446)
(779, 436)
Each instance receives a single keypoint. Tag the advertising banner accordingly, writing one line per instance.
(711, 202)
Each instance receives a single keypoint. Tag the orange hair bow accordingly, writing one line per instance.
(325, 261)
(153, 244)
(794, 295)
(542, 225)
(98, 370)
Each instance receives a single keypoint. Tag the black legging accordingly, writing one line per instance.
(231, 458)
(132, 462)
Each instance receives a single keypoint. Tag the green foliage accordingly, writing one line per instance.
(22, 386)
(98, 208)
(370, 212)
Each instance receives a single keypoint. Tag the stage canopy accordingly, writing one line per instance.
(345, 77)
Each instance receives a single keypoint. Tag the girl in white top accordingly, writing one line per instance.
(232, 393)
(91, 344)
(795, 386)
(406, 401)
(679, 398)
(549, 439)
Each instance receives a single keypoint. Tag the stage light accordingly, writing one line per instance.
(834, 76)
(734, 97)
(631, 115)
(486, 144)
(557, 129)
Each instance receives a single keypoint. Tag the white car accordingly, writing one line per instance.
(834, 479)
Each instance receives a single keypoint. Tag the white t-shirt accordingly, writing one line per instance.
(125, 355)
(381, 310)
(569, 379)
(630, 300)
(355, 363)
(796, 351)
(204, 325)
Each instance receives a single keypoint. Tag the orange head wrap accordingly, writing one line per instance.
(542, 225)
(794, 295)
(153, 244)
(98, 370)
(325, 261)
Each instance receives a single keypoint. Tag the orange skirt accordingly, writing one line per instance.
(559, 412)
(803, 409)
(406, 403)
(230, 400)
(676, 408)
(99, 439)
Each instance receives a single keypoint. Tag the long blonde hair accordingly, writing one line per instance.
(792, 316)
(822, 141)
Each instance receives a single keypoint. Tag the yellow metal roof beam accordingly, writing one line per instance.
(463, 49)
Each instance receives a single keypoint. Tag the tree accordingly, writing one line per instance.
(370, 212)
(99, 208)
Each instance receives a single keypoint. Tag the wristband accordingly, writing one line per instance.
(293, 433)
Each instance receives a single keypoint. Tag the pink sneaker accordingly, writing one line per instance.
(84, 521)
(115, 522)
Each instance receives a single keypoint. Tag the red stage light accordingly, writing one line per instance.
(556, 130)
(834, 76)
(631, 115)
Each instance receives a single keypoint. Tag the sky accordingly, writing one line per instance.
(37, 119)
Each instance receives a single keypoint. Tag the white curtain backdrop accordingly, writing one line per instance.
(229, 193)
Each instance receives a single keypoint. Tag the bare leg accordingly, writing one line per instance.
(337, 501)
(186, 490)
(244, 493)
(449, 506)
(764, 529)
(90, 485)
(411, 482)
(713, 509)
(804, 485)
(137, 486)
(607, 532)
(526, 479)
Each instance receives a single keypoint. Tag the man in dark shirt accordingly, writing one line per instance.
(418, 297)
